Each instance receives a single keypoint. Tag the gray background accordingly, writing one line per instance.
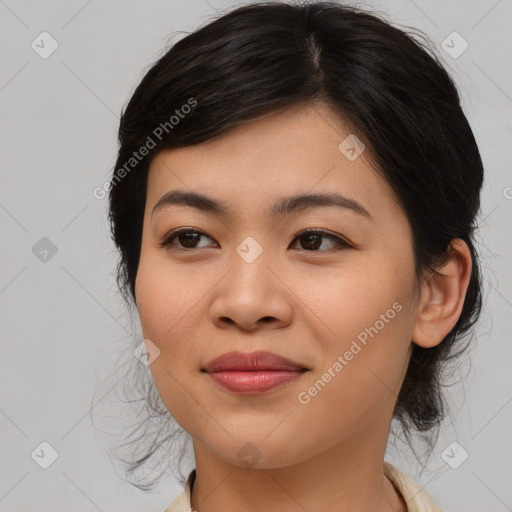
(63, 325)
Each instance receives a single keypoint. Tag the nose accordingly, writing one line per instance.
(252, 296)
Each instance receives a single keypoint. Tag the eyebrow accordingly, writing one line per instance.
(285, 206)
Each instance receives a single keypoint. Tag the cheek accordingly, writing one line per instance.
(171, 308)
(162, 304)
(347, 300)
(165, 297)
(165, 304)
(152, 302)
(365, 312)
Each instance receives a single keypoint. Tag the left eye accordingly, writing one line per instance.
(311, 239)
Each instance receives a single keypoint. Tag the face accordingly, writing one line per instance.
(246, 277)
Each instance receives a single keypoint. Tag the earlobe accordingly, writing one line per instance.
(442, 297)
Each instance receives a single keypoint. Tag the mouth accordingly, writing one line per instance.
(254, 372)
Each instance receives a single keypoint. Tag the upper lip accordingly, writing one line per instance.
(240, 361)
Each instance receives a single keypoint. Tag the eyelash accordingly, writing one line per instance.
(340, 242)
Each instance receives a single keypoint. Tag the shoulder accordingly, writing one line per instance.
(182, 502)
(414, 495)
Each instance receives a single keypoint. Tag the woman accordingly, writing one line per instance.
(294, 203)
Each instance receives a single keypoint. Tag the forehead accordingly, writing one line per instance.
(291, 152)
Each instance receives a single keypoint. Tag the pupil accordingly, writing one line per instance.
(189, 237)
(310, 239)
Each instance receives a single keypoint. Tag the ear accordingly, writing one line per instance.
(442, 297)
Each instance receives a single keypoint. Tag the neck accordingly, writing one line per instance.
(346, 478)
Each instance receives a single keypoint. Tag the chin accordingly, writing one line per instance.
(261, 452)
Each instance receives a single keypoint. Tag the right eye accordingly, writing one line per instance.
(187, 237)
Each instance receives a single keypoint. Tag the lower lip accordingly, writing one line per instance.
(254, 381)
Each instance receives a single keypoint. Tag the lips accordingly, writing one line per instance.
(239, 361)
(255, 372)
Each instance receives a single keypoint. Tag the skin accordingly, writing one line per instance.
(305, 304)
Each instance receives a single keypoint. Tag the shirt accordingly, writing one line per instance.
(416, 499)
